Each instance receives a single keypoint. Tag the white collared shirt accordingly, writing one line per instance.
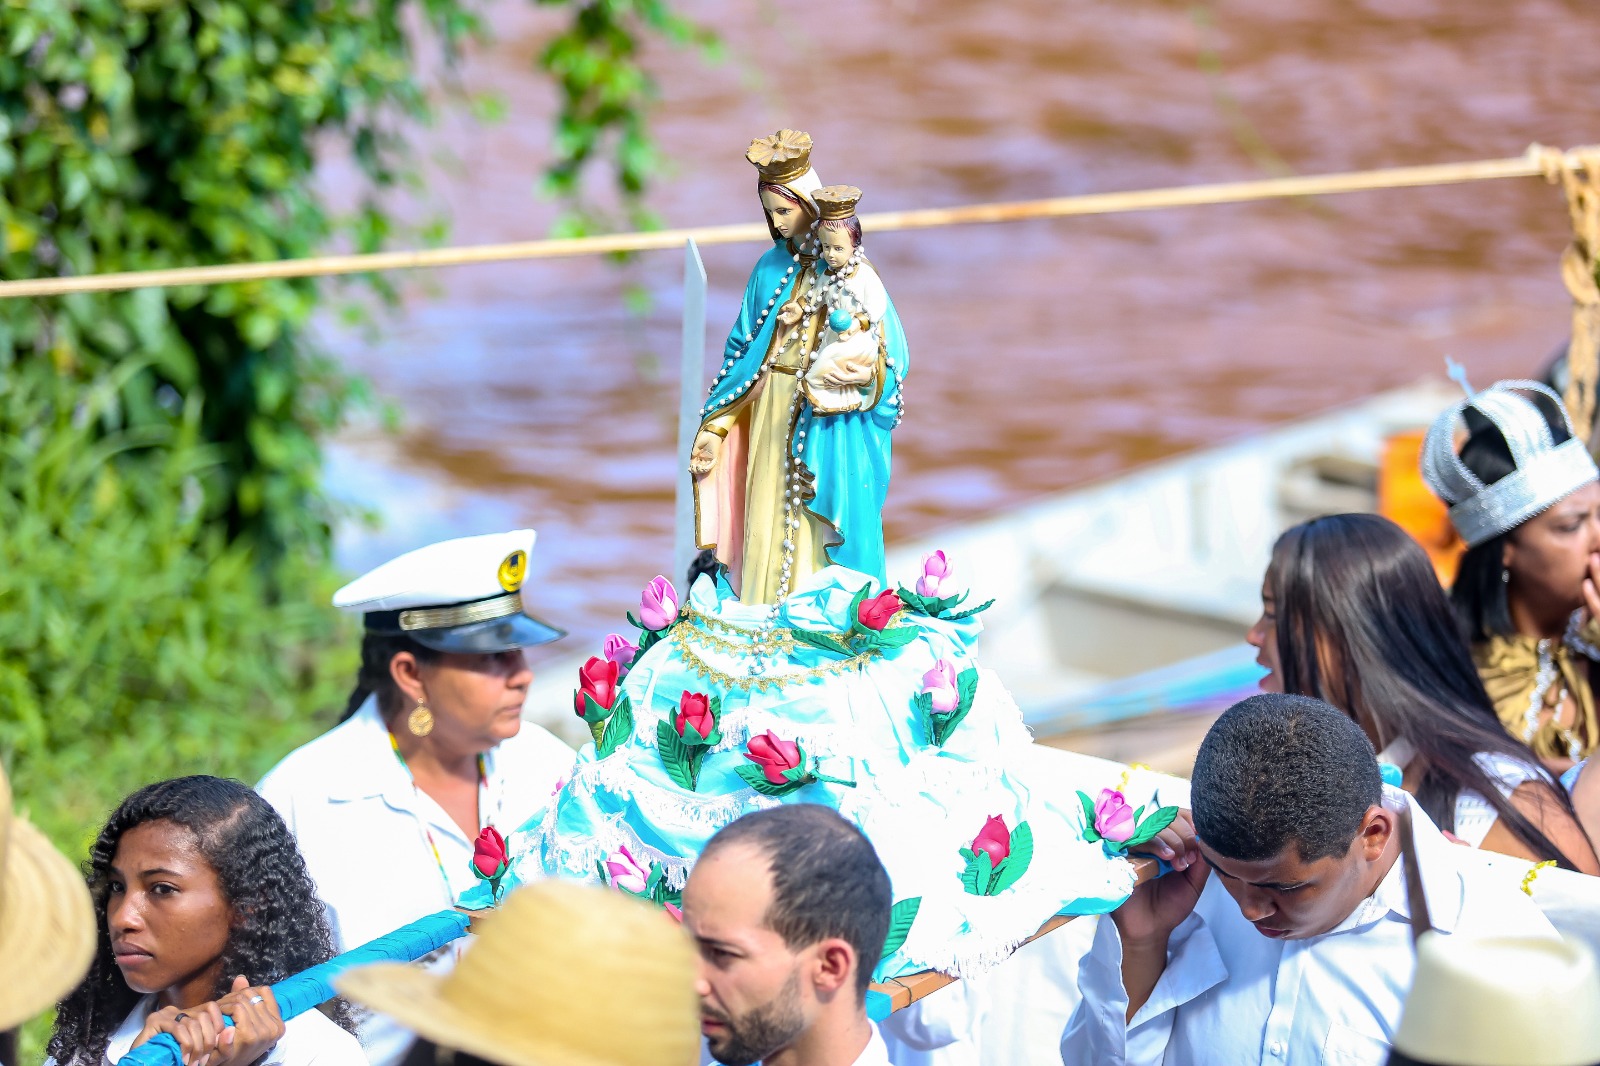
(363, 829)
(1230, 995)
(876, 1053)
(309, 1040)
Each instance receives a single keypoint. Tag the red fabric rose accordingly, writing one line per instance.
(597, 679)
(489, 852)
(995, 839)
(773, 755)
(694, 712)
(876, 612)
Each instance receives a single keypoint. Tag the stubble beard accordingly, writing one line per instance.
(760, 1032)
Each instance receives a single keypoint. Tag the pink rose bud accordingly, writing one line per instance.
(489, 853)
(1113, 818)
(625, 871)
(774, 755)
(619, 649)
(940, 684)
(658, 605)
(937, 571)
(995, 839)
(694, 714)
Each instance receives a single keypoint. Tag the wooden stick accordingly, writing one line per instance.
(1530, 164)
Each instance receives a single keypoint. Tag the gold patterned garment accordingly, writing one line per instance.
(766, 415)
(1528, 679)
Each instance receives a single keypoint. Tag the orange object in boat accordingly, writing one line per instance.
(1405, 499)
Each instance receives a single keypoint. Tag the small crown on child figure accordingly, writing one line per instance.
(836, 202)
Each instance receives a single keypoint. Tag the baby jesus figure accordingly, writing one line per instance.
(841, 376)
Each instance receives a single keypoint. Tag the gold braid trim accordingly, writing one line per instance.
(711, 622)
(775, 646)
(700, 667)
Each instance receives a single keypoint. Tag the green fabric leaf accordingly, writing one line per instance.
(827, 642)
(618, 730)
(900, 918)
(855, 611)
(958, 616)
(945, 723)
(677, 758)
(1146, 830)
(975, 878)
(751, 774)
(916, 602)
(893, 637)
(1017, 862)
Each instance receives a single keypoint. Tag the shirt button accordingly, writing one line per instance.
(1276, 1048)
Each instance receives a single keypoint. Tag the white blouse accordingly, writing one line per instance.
(1475, 815)
(365, 832)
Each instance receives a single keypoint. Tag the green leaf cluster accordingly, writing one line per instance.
(137, 641)
(984, 877)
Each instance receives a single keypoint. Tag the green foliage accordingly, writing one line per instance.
(137, 642)
(605, 96)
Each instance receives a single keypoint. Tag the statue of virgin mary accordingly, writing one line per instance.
(782, 488)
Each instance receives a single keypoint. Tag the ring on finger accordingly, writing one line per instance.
(179, 1017)
(256, 999)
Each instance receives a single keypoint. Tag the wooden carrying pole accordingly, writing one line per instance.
(1535, 162)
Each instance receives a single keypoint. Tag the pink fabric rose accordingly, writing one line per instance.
(625, 871)
(875, 613)
(619, 649)
(995, 839)
(489, 853)
(937, 572)
(774, 755)
(940, 684)
(694, 713)
(1113, 818)
(597, 679)
(658, 605)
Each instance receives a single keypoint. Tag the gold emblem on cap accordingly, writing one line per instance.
(512, 570)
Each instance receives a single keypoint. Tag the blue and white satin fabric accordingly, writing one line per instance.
(919, 804)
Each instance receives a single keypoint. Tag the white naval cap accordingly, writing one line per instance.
(461, 595)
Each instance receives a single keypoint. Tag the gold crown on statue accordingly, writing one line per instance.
(781, 157)
(836, 202)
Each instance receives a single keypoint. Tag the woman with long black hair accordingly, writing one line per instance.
(203, 901)
(1353, 614)
(1524, 495)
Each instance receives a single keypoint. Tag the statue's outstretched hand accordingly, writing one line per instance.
(703, 456)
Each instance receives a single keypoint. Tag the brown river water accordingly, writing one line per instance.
(1044, 354)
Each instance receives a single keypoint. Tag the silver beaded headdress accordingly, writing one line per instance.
(1545, 473)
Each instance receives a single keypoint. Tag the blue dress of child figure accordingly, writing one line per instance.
(783, 486)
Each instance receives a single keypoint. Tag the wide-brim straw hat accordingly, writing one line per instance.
(560, 974)
(1501, 1001)
(47, 923)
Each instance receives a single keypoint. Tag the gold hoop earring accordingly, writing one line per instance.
(420, 720)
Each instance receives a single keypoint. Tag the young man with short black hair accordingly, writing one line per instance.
(789, 908)
(1283, 933)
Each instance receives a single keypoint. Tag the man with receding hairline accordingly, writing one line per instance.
(789, 908)
(1283, 933)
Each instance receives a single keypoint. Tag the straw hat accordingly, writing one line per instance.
(1502, 1001)
(47, 923)
(560, 974)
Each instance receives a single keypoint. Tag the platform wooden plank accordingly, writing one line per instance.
(904, 991)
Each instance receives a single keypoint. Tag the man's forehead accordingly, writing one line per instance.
(729, 889)
(1285, 867)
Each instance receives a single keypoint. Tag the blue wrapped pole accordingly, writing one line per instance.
(303, 991)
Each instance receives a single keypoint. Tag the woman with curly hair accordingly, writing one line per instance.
(202, 901)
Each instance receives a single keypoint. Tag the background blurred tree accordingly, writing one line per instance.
(165, 555)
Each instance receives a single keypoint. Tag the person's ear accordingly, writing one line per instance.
(407, 675)
(835, 971)
(1377, 827)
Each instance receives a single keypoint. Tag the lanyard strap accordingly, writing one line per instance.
(483, 790)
